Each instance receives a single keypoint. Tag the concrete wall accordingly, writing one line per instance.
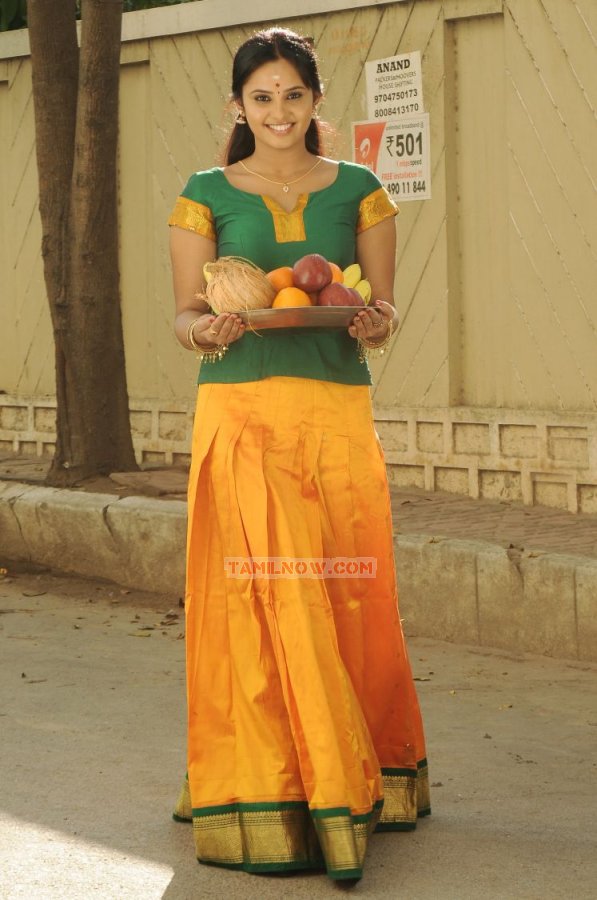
(491, 385)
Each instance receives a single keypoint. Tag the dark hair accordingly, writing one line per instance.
(263, 47)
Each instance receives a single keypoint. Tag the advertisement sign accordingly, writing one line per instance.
(394, 86)
(398, 152)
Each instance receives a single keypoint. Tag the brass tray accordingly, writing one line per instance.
(300, 317)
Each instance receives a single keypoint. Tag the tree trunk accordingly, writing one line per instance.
(76, 120)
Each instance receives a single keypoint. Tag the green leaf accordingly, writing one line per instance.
(8, 10)
(13, 14)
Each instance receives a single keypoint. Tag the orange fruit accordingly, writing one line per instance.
(337, 273)
(280, 278)
(291, 296)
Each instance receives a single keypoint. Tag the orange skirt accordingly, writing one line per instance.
(304, 730)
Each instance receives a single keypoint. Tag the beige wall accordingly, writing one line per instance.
(491, 385)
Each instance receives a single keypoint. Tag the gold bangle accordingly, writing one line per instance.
(368, 350)
(190, 337)
(217, 353)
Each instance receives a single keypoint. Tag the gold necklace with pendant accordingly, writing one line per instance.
(284, 184)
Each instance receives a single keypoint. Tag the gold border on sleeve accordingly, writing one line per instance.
(374, 208)
(193, 216)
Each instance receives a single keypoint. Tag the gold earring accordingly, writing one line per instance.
(241, 118)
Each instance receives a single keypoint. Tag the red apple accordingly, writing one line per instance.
(358, 300)
(311, 273)
(336, 294)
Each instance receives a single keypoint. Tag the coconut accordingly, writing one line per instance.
(237, 284)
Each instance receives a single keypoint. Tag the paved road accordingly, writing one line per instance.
(91, 750)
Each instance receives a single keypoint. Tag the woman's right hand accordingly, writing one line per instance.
(212, 330)
(190, 252)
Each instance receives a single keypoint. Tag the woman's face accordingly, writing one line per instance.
(278, 105)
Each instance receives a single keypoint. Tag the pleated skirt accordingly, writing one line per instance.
(304, 730)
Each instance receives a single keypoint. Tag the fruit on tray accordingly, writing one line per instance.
(281, 278)
(234, 283)
(316, 278)
(337, 273)
(336, 294)
(364, 289)
(311, 272)
(291, 296)
(352, 275)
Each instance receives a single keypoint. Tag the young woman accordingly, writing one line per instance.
(304, 731)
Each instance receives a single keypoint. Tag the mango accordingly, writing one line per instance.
(352, 275)
(364, 289)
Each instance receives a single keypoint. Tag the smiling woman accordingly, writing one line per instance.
(304, 731)
(263, 76)
(274, 106)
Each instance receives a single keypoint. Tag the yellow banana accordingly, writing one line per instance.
(206, 273)
(364, 289)
(352, 275)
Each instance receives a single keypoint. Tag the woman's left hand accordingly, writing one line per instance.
(371, 323)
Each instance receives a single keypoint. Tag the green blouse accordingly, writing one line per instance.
(256, 227)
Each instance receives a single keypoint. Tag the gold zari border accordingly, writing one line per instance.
(344, 841)
(287, 835)
(374, 209)
(194, 217)
(406, 797)
(399, 799)
(183, 808)
(288, 226)
(258, 839)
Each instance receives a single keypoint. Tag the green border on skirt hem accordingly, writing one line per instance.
(273, 806)
(298, 866)
(402, 826)
(257, 868)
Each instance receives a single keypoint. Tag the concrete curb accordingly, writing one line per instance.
(465, 591)
(475, 592)
(136, 541)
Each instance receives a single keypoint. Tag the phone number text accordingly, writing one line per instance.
(387, 111)
(396, 95)
(400, 188)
